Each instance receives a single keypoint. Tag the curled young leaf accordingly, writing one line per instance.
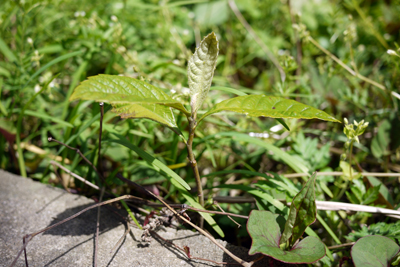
(200, 71)
(303, 212)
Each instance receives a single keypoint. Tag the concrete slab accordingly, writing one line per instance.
(27, 206)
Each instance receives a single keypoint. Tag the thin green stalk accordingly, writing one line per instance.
(350, 158)
(258, 40)
(370, 25)
(341, 193)
(192, 159)
(328, 229)
(100, 168)
(350, 70)
(130, 213)
(353, 62)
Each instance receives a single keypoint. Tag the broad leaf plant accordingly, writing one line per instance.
(133, 98)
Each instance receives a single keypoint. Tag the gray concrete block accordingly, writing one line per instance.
(27, 206)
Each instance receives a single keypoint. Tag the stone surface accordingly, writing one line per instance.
(27, 206)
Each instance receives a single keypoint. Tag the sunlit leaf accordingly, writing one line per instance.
(374, 250)
(303, 212)
(269, 106)
(265, 234)
(264, 230)
(201, 70)
(159, 113)
(131, 98)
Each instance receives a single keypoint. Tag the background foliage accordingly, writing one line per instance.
(48, 47)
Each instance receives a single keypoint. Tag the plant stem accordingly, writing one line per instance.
(350, 70)
(369, 24)
(258, 40)
(350, 158)
(100, 168)
(192, 160)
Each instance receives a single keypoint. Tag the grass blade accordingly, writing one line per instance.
(158, 165)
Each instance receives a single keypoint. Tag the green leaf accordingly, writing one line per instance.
(303, 212)
(6, 51)
(371, 195)
(261, 235)
(348, 172)
(200, 71)
(269, 106)
(155, 163)
(374, 251)
(158, 113)
(383, 190)
(283, 123)
(123, 90)
(130, 98)
(265, 233)
(240, 93)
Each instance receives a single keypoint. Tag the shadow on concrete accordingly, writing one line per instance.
(84, 224)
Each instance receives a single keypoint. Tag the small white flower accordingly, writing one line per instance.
(37, 88)
(176, 62)
(79, 14)
(391, 52)
(186, 91)
(276, 128)
(29, 40)
(114, 18)
(185, 32)
(265, 135)
(173, 91)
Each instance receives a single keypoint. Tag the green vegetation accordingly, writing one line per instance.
(331, 57)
